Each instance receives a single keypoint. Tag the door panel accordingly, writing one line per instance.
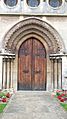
(39, 59)
(32, 65)
(25, 65)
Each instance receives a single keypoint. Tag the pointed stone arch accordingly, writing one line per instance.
(31, 27)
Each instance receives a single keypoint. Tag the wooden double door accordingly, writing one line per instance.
(32, 65)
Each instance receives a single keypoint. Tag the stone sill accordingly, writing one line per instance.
(35, 14)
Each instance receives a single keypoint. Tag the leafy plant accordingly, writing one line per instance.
(2, 106)
(64, 105)
(2, 94)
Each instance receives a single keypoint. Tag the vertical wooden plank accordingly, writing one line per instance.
(25, 65)
(40, 65)
(32, 64)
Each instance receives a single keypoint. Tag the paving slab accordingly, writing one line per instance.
(33, 105)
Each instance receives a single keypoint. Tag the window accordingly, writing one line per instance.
(33, 3)
(10, 3)
(55, 3)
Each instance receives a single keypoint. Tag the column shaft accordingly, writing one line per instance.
(57, 74)
(61, 72)
(53, 74)
(5, 73)
(2, 72)
(9, 73)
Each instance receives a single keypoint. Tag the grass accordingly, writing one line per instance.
(2, 106)
(64, 106)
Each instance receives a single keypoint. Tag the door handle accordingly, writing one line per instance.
(37, 71)
(26, 71)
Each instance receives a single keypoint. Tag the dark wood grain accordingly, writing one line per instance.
(32, 65)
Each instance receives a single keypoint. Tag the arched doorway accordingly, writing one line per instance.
(32, 65)
(34, 28)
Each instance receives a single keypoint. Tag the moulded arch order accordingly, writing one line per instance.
(33, 27)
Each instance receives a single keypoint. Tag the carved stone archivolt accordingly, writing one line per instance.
(33, 27)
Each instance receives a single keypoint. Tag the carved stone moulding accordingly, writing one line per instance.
(33, 27)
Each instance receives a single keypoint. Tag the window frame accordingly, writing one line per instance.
(9, 5)
(31, 6)
(63, 1)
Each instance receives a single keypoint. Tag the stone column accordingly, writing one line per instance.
(52, 74)
(9, 73)
(57, 73)
(5, 73)
(0, 72)
(12, 72)
(61, 71)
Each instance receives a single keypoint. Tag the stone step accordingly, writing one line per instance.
(33, 105)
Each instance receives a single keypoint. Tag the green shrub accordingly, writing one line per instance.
(2, 94)
(64, 105)
(2, 106)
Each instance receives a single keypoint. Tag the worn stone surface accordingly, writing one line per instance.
(33, 105)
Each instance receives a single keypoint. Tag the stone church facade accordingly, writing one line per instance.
(33, 44)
